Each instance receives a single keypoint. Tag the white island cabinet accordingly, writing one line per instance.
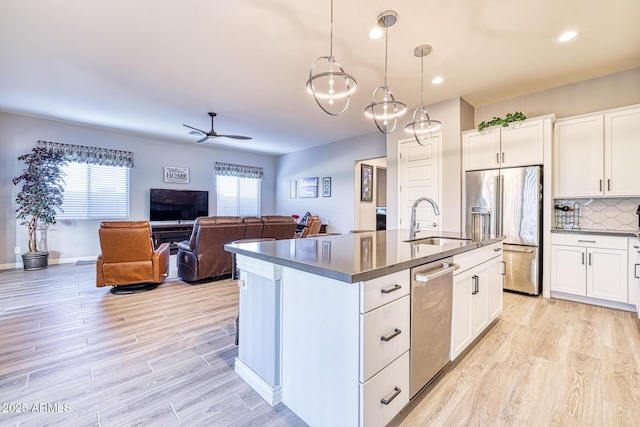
(325, 323)
(477, 295)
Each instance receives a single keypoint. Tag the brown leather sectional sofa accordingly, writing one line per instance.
(203, 256)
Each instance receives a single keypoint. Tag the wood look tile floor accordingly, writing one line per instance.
(72, 354)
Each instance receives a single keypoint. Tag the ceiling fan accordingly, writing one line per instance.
(212, 133)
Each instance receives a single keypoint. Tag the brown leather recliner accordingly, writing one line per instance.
(278, 227)
(128, 261)
(203, 256)
(254, 227)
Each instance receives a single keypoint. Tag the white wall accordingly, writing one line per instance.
(452, 114)
(334, 160)
(73, 239)
(602, 93)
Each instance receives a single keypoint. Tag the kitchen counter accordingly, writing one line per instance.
(352, 258)
(598, 232)
(325, 322)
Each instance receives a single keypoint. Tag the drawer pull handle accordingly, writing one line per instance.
(395, 333)
(504, 268)
(586, 241)
(635, 271)
(396, 392)
(392, 289)
(497, 249)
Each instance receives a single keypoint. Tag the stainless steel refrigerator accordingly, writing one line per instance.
(510, 203)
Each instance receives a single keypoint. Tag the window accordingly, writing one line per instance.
(238, 189)
(95, 192)
(238, 196)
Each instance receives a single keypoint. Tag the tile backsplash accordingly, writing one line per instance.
(606, 214)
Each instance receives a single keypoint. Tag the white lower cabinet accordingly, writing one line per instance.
(477, 295)
(385, 394)
(590, 265)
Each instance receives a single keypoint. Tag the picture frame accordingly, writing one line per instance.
(308, 187)
(176, 175)
(366, 183)
(326, 187)
(293, 189)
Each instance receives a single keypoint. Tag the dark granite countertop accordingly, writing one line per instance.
(355, 257)
(598, 232)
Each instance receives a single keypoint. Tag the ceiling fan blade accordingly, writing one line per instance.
(199, 130)
(235, 136)
(203, 139)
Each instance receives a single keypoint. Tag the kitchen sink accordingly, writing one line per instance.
(439, 241)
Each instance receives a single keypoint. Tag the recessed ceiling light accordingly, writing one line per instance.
(437, 80)
(569, 35)
(376, 33)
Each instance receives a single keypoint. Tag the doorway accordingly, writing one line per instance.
(368, 205)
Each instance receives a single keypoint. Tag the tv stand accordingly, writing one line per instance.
(173, 233)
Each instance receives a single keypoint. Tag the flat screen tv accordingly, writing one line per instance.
(177, 205)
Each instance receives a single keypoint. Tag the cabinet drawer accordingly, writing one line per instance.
(467, 260)
(390, 321)
(383, 290)
(393, 380)
(589, 240)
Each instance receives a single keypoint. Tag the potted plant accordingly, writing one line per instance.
(40, 199)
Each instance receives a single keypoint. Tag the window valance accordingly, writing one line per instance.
(91, 155)
(241, 171)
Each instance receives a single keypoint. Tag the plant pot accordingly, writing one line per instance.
(35, 260)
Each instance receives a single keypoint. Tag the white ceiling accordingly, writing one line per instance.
(148, 66)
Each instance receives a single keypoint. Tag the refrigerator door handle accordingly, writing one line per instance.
(497, 208)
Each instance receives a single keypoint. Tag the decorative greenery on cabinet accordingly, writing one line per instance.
(515, 117)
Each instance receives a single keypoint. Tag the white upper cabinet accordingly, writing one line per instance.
(596, 155)
(622, 152)
(578, 157)
(519, 144)
(482, 149)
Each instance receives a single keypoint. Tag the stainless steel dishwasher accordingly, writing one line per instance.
(431, 299)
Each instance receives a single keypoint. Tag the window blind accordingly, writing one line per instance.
(95, 192)
(237, 196)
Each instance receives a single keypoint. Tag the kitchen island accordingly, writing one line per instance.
(324, 322)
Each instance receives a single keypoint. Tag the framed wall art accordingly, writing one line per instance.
(326, 187)
(308, 187)
(366, 182)
(176, 175)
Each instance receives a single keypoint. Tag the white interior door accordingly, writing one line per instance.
(419, 169)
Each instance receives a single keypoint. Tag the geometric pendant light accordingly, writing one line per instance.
(384, 108)
(422, 126)
(330, 86)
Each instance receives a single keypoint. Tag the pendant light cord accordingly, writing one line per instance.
(331, 31)
(386, 48)
(422, 81)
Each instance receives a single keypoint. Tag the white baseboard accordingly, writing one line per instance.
(52, 261)
(594, 301)
(272, 394)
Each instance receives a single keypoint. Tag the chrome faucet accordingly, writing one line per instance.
(414, 226)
